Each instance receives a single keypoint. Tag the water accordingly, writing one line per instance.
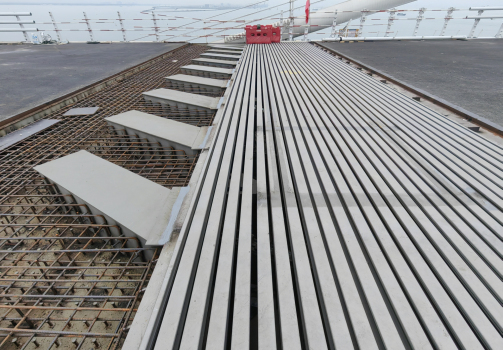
(375, 24)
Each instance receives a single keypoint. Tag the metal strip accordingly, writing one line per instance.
(376, 222)
(22, 134)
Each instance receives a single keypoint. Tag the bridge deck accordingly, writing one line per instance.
(335, 212)
(464, 73)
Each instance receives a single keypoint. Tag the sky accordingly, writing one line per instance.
(418, 3)
(76, 30)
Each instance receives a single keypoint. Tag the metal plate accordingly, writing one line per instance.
(24, 133)
(81, 111)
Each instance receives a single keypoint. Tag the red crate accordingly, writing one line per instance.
(276, 35)
(258, 34)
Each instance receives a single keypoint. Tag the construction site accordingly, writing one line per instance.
(63, 276)
(262, 195)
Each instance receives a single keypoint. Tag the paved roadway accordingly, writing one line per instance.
(32, 75)
(466, 73)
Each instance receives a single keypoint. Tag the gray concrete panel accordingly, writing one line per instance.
(138, 206)
(224, 52)
(220, 56)
(215, 63)
(182, 100)
(166, 132)
(208, 72)
(191, 82)
(227, 47)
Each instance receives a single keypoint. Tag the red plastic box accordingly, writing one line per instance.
(258, 34)
(276, 35)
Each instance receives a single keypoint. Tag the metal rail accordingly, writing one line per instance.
(335, 212)
(163, 27)
(66, 279)
(20, 22)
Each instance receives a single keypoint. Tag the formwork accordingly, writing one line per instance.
(65, 283)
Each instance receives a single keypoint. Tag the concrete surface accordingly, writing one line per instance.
(224, 52)
(140, 207)
(189, 82)
(33, 74)
(181, 99)
(208, 72)
(466, 73)
(220, 56)
(167, 132)
(227, 47)
(215, 63)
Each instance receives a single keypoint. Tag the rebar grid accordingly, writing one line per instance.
(67, 278)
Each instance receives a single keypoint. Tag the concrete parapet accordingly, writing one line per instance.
(228, 47)
(221, 56)
(166, 132)
(225, 52)
(207, 72)
(190, 83)
(182, 100)
(134, 205)
(215, 63)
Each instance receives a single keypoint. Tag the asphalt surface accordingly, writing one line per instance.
(33, 74)
(466, 73)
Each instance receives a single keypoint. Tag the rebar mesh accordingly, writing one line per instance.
(67, 278)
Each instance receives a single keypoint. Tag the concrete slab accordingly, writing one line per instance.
(225, 52)
(465, 73)
(66, 68)
(81, 111)
(189, 83)
(182, 100)
(207, 72)
(220, 56)
(215, 63)
(167, 132)
(227, 47)
(138, 206)
(22, 134)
